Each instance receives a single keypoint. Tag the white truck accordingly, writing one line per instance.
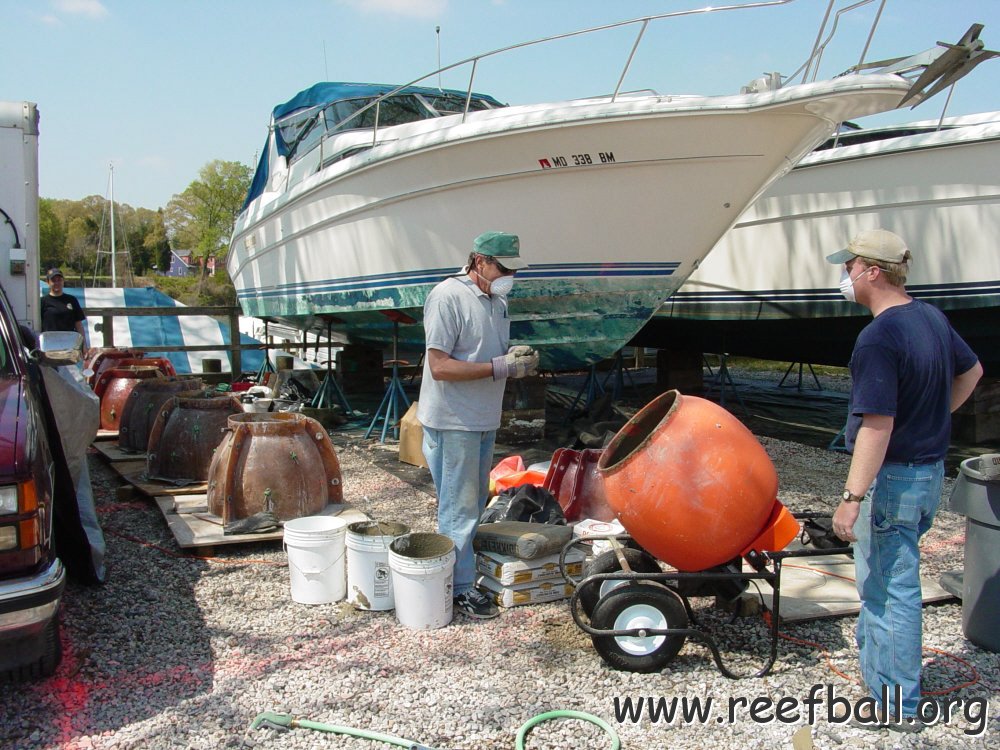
(19, 255)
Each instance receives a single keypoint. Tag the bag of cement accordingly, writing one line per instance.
(521, 539)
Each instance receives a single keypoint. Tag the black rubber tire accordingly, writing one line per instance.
(607, 562)
(48, 647)
(638, 600)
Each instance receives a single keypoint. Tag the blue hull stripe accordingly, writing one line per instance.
(416, 278)
(824, 295)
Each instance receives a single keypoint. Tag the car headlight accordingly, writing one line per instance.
(8, 499)
(8, 537)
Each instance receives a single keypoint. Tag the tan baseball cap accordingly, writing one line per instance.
(873, 244)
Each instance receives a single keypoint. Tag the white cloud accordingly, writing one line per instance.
(50, 19)
(90, 8)
(408, 8)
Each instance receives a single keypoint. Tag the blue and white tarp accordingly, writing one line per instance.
(166, 330)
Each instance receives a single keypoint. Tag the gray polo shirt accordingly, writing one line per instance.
(469, 325)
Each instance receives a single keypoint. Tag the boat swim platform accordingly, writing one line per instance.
(185, 507)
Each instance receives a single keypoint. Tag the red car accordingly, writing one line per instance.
(32, 578)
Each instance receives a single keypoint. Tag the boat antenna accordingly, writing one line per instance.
(437, 31)
(326, 70)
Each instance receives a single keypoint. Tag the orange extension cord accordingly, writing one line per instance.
(973, 674)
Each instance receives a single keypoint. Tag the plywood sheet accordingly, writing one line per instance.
(813, 588)
(193, 526)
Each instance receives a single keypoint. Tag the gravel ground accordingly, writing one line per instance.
(183, 652)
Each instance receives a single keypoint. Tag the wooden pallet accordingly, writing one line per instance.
(112, 453)
(194, 527)
(134, 472)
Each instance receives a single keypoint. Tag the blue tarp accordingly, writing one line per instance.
(165, 330)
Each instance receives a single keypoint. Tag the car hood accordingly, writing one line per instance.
(13, 431)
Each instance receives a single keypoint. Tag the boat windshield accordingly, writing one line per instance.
(301, 132)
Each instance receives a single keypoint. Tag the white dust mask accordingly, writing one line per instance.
(847, 284)
(502, 285)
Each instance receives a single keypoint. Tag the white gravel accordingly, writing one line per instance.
(180, 652)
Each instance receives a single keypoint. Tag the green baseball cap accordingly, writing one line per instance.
(503, 246)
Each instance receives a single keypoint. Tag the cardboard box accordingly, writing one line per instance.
(535, 592)
(411, 438)
(513, 571)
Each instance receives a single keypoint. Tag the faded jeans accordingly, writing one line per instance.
(460, 464)
(897, 511)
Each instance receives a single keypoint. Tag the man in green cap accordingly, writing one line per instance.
(467, 364)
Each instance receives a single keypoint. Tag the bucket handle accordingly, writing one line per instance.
(304, 572)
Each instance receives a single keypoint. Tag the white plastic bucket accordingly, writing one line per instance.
(423, 569)
(369, 580)
(315, 546)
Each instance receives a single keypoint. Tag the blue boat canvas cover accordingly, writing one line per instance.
(165, 330)
(320, 95)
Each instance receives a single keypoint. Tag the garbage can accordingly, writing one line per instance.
(977, 496)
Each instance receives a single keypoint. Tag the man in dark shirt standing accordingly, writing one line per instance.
(909, 372)
(60, 312)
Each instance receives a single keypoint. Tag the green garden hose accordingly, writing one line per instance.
(548, 716)
(284, 722)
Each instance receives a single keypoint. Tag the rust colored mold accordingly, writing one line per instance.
(281, 462)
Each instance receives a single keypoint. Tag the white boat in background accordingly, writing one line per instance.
(368, 195)
(765, 290)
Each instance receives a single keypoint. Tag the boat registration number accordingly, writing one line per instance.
(577, 160)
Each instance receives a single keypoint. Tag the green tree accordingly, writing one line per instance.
(201, 218)
(157, 244)
(51, 234)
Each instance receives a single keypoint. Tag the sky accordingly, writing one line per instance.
(159, 88)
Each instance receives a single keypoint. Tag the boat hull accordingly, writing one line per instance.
(615, 205)
(766, 290)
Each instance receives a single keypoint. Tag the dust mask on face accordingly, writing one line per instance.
(847, 284)
(502, 285)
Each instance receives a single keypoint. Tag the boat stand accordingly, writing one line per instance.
(723, 380)
(678, 616)
(395, 402)
(798, 384)
(595, 388)
(330, 393)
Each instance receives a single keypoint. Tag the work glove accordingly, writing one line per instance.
(518, 362)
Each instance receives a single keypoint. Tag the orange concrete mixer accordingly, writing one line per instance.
(693, 486)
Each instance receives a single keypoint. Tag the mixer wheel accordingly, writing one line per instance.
(607, 562)
(639, 605)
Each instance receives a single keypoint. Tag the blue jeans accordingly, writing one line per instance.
(460, 464)
(897, 511)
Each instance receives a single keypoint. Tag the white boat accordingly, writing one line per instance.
(368, 195)
(765, 290)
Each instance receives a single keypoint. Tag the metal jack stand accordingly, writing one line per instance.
(593, 389)
(330, 391)
(391, 410)
(798, 385)
(618, 372)
(724, 380)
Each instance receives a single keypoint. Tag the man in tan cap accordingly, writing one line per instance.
(909, 372)
(466, 366)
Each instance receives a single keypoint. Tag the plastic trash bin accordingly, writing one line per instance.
(977, 496)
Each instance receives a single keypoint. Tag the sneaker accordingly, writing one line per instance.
(474, 603)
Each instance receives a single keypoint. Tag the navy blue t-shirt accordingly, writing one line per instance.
(903, 366)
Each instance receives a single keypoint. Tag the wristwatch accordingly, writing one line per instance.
(850, 497)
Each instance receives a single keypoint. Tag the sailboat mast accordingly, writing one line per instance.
(114, 277)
